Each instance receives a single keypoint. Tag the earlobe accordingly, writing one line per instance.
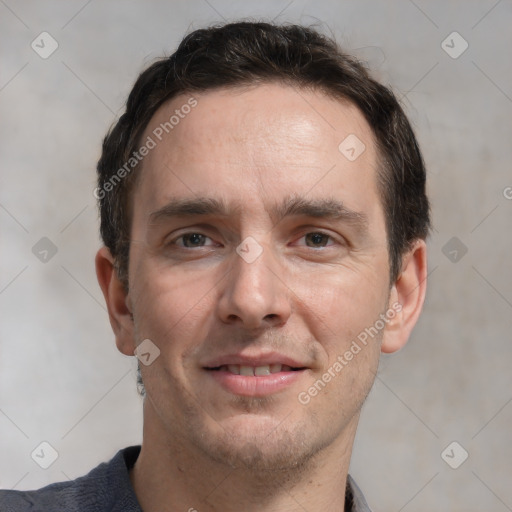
(406, 297)
(117, 301)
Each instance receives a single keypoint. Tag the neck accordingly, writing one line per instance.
(171, 475)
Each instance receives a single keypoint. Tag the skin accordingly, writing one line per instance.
(305, 296)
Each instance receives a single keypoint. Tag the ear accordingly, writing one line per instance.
(117, 301)
(406, 298)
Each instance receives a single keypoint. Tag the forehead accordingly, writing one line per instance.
(267, 141)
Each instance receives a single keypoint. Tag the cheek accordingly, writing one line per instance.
(339, 306)
(350, 359)
(172, 309)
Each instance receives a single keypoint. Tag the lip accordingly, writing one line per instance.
(260, 359)
(255, 386)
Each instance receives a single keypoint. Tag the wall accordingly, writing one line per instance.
(61, 378)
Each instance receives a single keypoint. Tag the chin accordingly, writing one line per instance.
(260, 444)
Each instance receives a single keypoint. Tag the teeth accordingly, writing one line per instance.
(234, 368)
(262, 370)
(247, 371)
(251, 371)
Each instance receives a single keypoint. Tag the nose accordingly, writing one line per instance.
(253, 294)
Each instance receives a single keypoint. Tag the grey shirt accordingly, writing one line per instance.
(108, 488)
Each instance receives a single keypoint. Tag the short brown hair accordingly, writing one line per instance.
(246, 53)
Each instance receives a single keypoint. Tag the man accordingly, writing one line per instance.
(264, 217)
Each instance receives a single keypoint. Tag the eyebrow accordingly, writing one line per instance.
(328, 208)
(190, 207)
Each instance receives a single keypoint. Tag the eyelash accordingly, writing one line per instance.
(173, 242)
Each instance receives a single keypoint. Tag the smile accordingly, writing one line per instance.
(255, 381)
(255, 371)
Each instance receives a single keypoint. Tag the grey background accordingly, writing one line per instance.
(61, 377)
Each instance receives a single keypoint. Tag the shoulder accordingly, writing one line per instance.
(354, 498)
(106, 487)
(72, 496)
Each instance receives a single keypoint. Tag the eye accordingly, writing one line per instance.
(317, 239)
(190, 240)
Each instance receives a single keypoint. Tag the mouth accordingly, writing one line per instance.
(257, 378)
(255, 371)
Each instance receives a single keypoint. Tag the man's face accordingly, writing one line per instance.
(311, 273)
